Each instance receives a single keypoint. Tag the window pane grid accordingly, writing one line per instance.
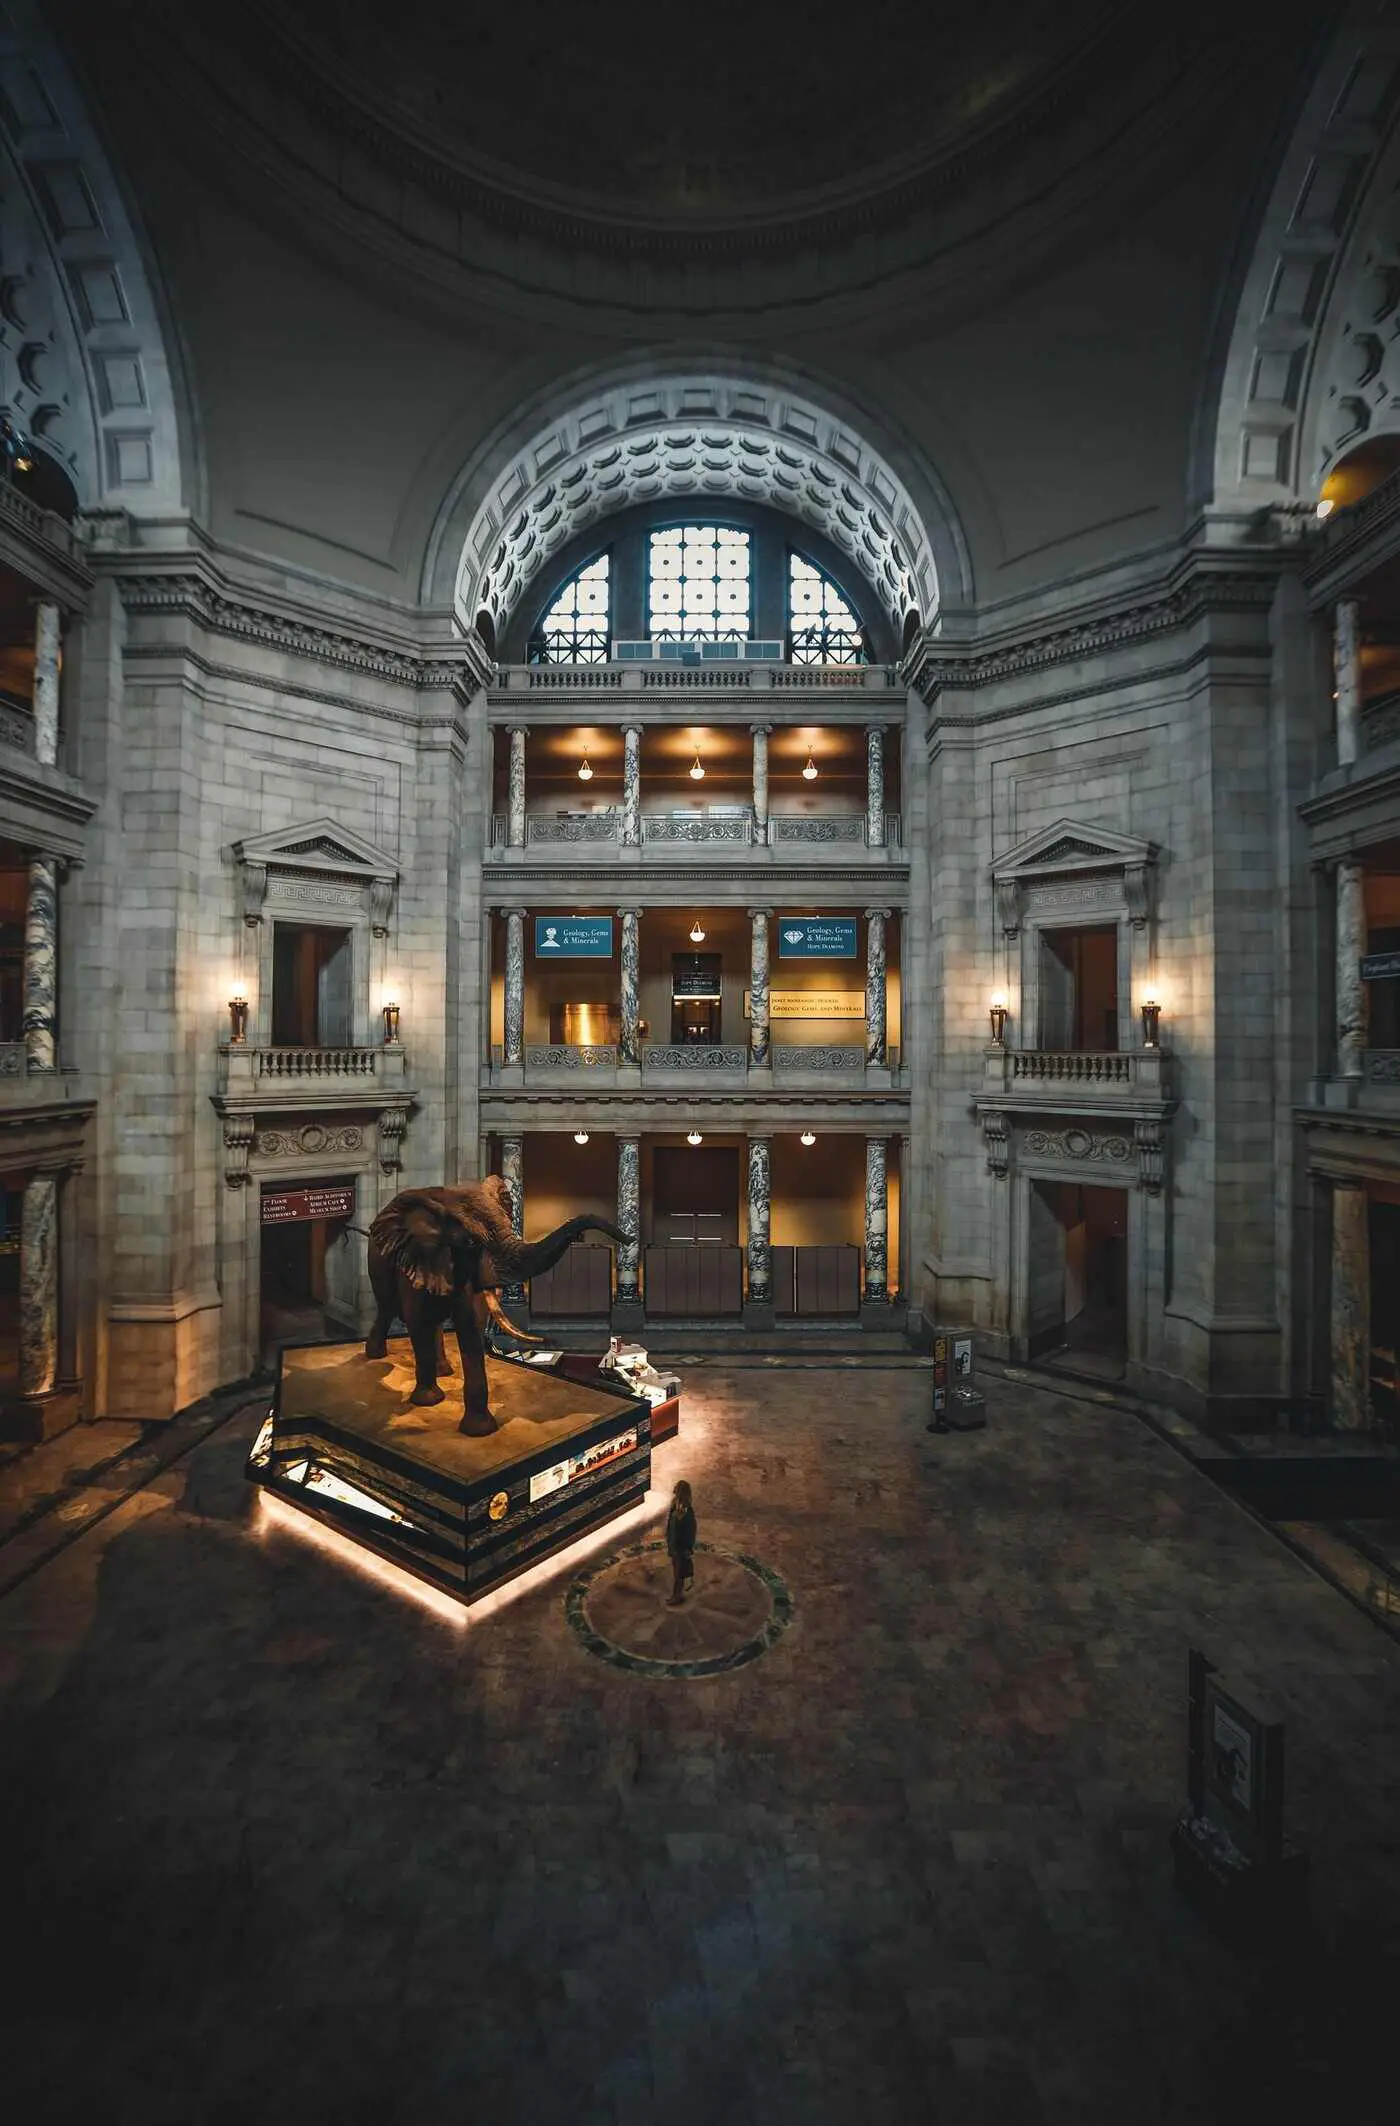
(698, 584)
(575, 630)
(824, 629)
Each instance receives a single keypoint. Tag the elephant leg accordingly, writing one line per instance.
(424, 1335)
(443, 1364)
(476, 1409)
(384, 1285)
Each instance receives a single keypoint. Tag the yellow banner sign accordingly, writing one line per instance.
(813, 1003)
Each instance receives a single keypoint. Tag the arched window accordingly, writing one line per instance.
(576, 628)
(698, 584)
(822, 627)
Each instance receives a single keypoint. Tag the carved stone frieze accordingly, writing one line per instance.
(316, 892)
(794, 1057)
(312, 1138)
(1077, 1144)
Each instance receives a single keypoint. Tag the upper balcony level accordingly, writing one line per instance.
(647, 687)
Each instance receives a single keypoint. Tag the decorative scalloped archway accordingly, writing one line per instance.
(666, 438)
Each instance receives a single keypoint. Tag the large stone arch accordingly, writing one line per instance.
(1310, 365)
(666, 428)
(83, 362)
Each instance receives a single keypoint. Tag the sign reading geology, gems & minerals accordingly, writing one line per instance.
(573, 937)
(816, 937)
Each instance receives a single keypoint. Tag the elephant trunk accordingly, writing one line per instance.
(514, 1260)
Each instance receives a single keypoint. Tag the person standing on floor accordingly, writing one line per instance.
(680, 1542)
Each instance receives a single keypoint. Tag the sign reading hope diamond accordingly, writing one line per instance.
(816, 937)
(1380, 967)
(573, 937)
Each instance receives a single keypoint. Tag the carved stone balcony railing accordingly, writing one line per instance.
(812, 831)
(696, 1061)
(16, 728)
(647, 678)
(1074, 1079)
(804, 1066)
(827, 1057)
(568, 1057)
(312, 1077)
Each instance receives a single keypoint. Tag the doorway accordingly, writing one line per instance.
(695, 1194)
(1079, 990)
(1077, 1284)
(307, 1271)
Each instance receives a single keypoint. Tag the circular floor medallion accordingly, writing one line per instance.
(733, 1611)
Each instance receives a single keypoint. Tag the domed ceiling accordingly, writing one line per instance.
(725, 114)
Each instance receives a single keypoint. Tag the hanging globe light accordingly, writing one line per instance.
(585, 773)
(811, 771)
(580, 1136)
(697, 935)
(697, 773)
(694, 1137)
(807, 1137)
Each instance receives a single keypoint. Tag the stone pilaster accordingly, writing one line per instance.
(758, 988)
(875, 786)
(38, 1286)
(629, 1045)
(760, 1253)
(1351, 1309)
(1351, 990)
(627, 1304)
(514, 1050)
(40, 1006)
(1346, 653)
(877, 1219)
(631, 786)
(515, 826)
(875, 969)
(760, 781)
(513, 1174)
(46, 654)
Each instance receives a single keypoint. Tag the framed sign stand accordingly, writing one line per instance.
(1228, 1844)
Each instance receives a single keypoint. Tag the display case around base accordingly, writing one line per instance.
(1227, 1843)
(344, 1444)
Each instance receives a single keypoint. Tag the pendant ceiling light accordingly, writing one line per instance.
(694, 1137)
(811, 771)
(807, 1137)
(585, 773)
(697, 935)
(697, 773)
(580, 1136)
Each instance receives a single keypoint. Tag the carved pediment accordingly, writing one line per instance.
(311, 850)
(1067, 850)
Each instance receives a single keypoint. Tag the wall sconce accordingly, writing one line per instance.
(391, 1024)
(807, 1137)
(697, 935)
(585, 773)
(694, 1137)
(237, 1020)
(580, 1136)
(997, 1012)
(15, 452)
(1325, 507)
(1151, 1021)
(811, 771)
(697, 773)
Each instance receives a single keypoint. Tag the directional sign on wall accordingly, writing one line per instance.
(573, 937)
(816, 937)
(1380, 966)
(295, 1205)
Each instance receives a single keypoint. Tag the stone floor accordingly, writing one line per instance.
(283, 1844)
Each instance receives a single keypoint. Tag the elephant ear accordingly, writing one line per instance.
(416, 1233)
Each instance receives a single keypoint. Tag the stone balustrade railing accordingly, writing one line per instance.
(557, 1061)
(315, 1062)
(811, 830)
(657, 1055)
(330, 1074)
(823, 1056)
(644, 678)
(1062, 1077)
(561, 1056)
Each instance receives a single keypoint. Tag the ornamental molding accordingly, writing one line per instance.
(318, 863)
(935, 664)
(188, 595)
(1069, 865)
(309, 1141)
(1077, 1144)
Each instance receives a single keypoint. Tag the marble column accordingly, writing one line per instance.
(514, 1051)
(877, 1219)
(1351, 990)
(40, 1006)
(46, 647)
(38, 1286)
(1351, 1309)
(631, 786)
(758, 986)
(760, 1252)
(515, 827)
(513, 1174)
(629, 1217)
(629, 1046)
(875, 786)
(760, 781)
(875, 968)
(1346, 666)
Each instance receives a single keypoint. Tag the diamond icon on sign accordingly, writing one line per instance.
(793, 937)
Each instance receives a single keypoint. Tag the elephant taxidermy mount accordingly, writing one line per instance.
(436, 1255)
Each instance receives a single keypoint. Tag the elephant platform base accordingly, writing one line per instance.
(346, 1444)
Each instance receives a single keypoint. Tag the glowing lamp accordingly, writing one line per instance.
(697, 773)
(238, 1020)
(811, 771)
(807, 1137)
(694, 1137)
(391, 1024)
(697, 935)
(1325, 507)
(585, 773)
(580, 1136)
(997, 1012)
(1151, 1021)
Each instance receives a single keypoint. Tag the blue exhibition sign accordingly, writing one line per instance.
(1380, 966)
(573, 937)
(816, 937)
